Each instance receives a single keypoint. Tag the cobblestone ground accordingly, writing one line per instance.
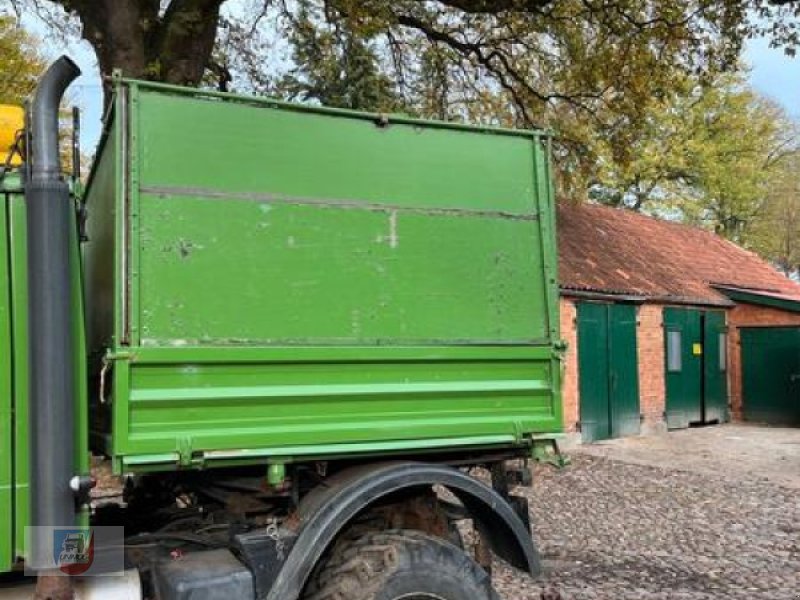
(610, 530)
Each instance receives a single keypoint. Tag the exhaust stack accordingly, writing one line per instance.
(52, 363)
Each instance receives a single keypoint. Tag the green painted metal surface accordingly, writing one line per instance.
(624, 394)
(593, 370)
(771, 375)
(608, 370)
(419, 241)
(17, 286)
(274, 281)
(18, 283)
(715, 367)
(683, 334)
(6, 402)
(764, 299)
(697, 390)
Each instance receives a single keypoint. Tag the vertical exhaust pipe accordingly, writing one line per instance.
(52, 363)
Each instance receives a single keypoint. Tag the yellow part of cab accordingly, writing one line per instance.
(12, 120)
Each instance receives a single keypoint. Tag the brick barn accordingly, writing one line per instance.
(669, 326)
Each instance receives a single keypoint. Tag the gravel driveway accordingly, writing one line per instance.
(643, 519)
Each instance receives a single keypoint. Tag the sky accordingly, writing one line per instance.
(772, 73)
(775, 75)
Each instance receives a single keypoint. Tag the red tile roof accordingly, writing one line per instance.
(617, 251)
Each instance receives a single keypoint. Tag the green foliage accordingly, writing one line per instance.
(705, 152)
(738, 140)
(775, 231)
(334, 65)
(20, 62)
(716, 155)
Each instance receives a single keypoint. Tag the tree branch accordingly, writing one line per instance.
(497, 6)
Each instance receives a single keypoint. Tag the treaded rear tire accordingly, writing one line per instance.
(399, 564)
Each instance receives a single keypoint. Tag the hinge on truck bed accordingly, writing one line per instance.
(185, 451)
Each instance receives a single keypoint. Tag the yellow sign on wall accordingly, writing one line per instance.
(697, 349)
(12, 120)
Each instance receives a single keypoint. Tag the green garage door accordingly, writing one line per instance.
(696, 367)
(771, 374)
(608, 370)
(684, 367)
(715, 367)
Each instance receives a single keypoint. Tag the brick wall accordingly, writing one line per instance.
(748, 315)
(569, 333)
(650, 349)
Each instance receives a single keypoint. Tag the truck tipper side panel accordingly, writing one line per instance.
(7, 488)
(18, 294)
(297, 282)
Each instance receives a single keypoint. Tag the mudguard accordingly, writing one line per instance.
(327, 510)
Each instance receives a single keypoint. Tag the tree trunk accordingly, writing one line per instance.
(133, 37)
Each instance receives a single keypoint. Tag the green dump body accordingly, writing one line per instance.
(271, 282)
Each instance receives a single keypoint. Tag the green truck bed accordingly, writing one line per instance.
(272, 282)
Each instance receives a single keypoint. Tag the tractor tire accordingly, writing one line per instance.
(399, 565)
